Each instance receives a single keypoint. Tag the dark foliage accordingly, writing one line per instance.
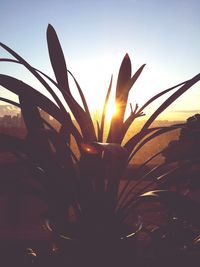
(88, 210)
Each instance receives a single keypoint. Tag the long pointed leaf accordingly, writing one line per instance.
(104, 111)
(140, 179)
(38, 143)
(34, 72)
(131, 200)
(10, 102)
(57, 60)
(134, 115)
(60, 70)
(121, 96)
(98, 131)
(140, 167)
(152, 99)
(171, 99)
(83, 101)
(18, 87)
(154, 135)
(133, 141)
(19, 106)
(123, 77)
(84, 119)
(116, 129)
(134, 78)
(81, 94)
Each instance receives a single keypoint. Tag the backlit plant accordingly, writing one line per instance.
(83, 193)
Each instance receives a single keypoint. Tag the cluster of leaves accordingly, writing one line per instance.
(85, 187)
(185, 153)
(187, 147)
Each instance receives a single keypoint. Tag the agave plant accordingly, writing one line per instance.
(84, 194)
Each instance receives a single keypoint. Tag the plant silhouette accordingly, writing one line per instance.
(86, 204)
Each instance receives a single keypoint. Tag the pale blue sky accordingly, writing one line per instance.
(95, 35)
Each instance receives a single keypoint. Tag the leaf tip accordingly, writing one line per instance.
(50, 28)
(126, 55)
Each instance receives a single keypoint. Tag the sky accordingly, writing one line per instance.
(95, 36)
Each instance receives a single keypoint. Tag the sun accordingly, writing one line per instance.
(111, 110)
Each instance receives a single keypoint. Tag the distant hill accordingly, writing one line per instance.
(8, 110)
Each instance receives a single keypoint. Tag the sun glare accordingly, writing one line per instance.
(111, 110)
